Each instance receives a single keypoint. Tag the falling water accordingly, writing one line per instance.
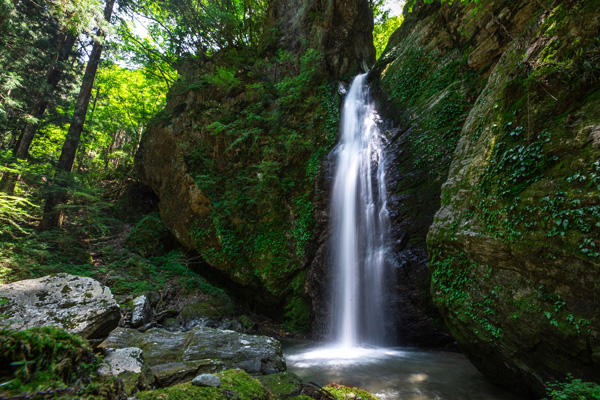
(359, 223)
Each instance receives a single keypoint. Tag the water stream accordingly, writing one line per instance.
(361, 327)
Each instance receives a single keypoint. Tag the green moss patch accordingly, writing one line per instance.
(235, 383)
(341, 392)
(49, 360)
(150, 237)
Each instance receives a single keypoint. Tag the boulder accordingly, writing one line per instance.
(179, 356)
(262, 241)
(128, 365)
(172, 373)
(141, 313)
(77, 304)
(207, 380)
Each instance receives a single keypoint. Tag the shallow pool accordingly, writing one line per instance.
(394, 373)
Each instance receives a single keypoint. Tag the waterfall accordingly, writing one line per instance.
(359, 224)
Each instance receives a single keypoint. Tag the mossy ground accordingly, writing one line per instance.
(132, 255)
(50, 360)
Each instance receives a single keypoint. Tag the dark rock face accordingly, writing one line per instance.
(342, 29)
(501, 103)
(412, 203)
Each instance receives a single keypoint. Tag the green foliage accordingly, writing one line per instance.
(516, 163)
(150, 237)
(382, 31)
(30, 40)
(123, 102)
(573, 389)
(412, 3)
(42, 358)
(14, 214)
(452, 291)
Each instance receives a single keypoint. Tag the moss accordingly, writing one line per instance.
(282, 385)
(432, 88)
(341, 392)
(49, 359)
(235, 383)
(150, 237)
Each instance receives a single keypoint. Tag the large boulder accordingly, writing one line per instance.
(235, 155)
(180, 356)
(77, 304)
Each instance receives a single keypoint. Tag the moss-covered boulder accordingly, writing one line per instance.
(514, 246)
(282, 385)
(176, 356)
(341, 392)
(235, 155)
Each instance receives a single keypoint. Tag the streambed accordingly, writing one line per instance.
(394, 373)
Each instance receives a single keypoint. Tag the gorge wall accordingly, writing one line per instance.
(497, 108)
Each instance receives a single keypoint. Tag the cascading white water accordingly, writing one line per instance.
(359, 223)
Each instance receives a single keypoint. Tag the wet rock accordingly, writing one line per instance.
(174, 354)
(172, 373)
(77, 304)
(142, 312)
(207, 380)
(128, 365)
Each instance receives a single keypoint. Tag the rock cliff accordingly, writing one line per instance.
(499, 102)
(235, 156)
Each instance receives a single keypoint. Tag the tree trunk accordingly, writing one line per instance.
(52, 215)
(38, 108)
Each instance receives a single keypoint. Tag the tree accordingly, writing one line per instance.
(52, 214)
(38, 107)
(36, 41)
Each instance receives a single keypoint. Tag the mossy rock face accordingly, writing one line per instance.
(235, 383)
(514, 248)
(235, 155)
